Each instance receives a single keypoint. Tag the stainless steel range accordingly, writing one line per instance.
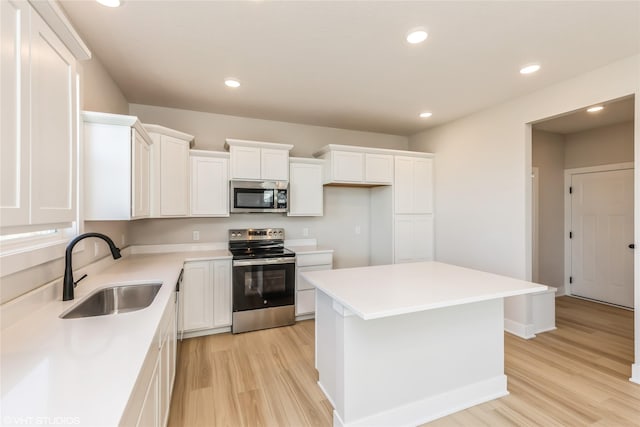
(263, 279)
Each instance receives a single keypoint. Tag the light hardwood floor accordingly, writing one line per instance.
(577, 375)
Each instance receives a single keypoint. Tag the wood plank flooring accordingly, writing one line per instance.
(577, 375)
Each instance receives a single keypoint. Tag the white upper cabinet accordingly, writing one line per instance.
(254, 160)
(169, 171)
(378, 168)
(305, 187)
(352, 165)
(413, 185)
(117, 167)
(209, 183)
(39, 118)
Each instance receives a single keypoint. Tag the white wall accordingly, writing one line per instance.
(482, 186)
(344, 208)
(548, 157)
(600, 146)
(211, 130)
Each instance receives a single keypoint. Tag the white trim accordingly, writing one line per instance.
(568, 173)
(434, 407)
(535, 224)
(525, 331)
(635, 373)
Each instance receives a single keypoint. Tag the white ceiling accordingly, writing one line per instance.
(346, 64)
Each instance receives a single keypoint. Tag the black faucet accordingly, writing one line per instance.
(68, 285)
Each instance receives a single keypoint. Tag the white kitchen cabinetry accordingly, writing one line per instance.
(117, 167)
(413, 185)
(254, 160)
(305, 187)
(150, 400)
(305, 291)
(39, 118)
(349, 165)
(209, 183)
(413, 238)
(205, 297)
(169, 171)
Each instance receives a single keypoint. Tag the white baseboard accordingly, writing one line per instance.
(521, 330)
(203, 332)
(635, 373)
(433, 407)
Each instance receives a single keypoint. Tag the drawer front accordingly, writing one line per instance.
(314, 259)
(301, 283)
(305, 302)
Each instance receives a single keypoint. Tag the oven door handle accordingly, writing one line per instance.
(264, 261)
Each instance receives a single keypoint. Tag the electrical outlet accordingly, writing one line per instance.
(305, 231)
(357, 229)
(96, 249)
(196, 235)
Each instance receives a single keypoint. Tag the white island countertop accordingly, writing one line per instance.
(390, 290)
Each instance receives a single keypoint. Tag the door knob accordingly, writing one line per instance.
(632, 246)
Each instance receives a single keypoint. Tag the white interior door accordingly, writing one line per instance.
(602, 230)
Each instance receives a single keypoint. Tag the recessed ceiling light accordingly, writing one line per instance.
(417, 35)
(109, 3)
(595, 109)
(530, 69)
(426, 115)
(232, 83)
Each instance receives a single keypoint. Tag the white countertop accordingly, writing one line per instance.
(390, 290)
(86, 368)
(309, 249)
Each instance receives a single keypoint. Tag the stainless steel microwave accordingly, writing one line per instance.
(259, 196)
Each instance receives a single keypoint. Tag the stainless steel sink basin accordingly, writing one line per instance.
(114, 300)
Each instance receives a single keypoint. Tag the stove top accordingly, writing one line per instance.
(254, 243)
(249, 253)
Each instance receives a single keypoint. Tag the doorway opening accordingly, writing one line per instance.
(583, 207)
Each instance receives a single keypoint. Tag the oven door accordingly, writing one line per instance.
(263, 283)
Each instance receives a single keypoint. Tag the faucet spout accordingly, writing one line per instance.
(67, 282)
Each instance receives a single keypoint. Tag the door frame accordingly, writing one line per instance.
(568, 174)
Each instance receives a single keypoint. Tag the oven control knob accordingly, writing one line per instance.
(265, 301)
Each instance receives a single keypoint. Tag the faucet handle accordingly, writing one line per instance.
(78, 281)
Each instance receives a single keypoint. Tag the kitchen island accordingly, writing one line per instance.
(404, 344)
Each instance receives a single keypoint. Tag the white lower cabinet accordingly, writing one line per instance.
(151, 398)
(413, 238)
(205, 297)
(305, 291)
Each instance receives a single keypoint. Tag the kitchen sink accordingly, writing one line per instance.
(114, 300)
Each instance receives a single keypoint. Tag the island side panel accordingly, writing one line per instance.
(420, 366)
(328, 344)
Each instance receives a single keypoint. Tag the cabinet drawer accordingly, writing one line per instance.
(301, 283)
(314, 259)
(305, 302)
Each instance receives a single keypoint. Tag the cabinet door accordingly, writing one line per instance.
(141, 176)
(14, 114)
(245, 162)
(422, 185)
(174, 176)
(347, 166)
(305, 190)
(403, 185)
(149, 414)
(413, 235)
(197, 296)
(209, 186)
(222, 294)
(274, 164)
(378, 168)
(53, 127)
